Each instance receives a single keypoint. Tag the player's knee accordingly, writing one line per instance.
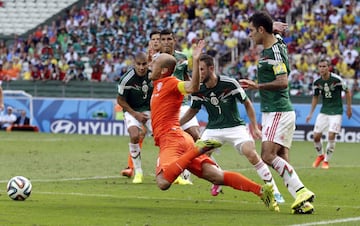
(162, 183)
(267, 158)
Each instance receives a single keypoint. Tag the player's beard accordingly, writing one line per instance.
(207, 77)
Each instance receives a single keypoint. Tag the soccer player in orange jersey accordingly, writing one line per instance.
(177, 148)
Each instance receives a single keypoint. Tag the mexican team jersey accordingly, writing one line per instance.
(330, 90)
(220, 103)
(273, 62)
(136, 90)
(181, 68)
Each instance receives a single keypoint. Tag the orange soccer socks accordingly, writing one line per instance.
(175, 168)
(240, 182)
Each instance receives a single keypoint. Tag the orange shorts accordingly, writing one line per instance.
(172, 145)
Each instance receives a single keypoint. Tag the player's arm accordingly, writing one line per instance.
(348, 103)
(189, 114)
(314, 102)
(141, 117)
(252, 116)
(281, 82)
(193, 85)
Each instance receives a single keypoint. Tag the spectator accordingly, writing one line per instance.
(8, 119)
(22, 119)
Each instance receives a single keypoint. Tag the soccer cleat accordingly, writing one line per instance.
(318, 160)
(279, 198)
(216, 189)
(138, 179)
(325, 165)
(306, 208)
(302, 196)
(182, 181)
(207, 145)
(127, 172)
(267, 196)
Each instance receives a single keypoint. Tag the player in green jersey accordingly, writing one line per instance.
(134, 93)
(153, 49)
(330, 87)
(219, 96)
(168, 43)
(278, 116)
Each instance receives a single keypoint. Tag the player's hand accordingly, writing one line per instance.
(141, 117)
(256, 133)
(349, 112)
(308, 118)
(248, 84)
(2, 107)
(198, 48)
(279, 27)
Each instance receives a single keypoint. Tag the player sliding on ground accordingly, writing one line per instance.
(177, 148)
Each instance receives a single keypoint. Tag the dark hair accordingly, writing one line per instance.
(209, 60)
(324, 59)
(155, 32)
(262, 19)
(166, 32)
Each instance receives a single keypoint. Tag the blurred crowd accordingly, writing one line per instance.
(97, 42)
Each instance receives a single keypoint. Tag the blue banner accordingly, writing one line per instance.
(96, 116)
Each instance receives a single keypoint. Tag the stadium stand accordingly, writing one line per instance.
(51, 40)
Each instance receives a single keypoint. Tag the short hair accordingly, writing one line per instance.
(324, 59)
(166, 32)
(262, 18)
(155, 32)
(140, 56)
(209, 60)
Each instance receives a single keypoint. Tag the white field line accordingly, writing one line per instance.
(152, 174)
(343, 220)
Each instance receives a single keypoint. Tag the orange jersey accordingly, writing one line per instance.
(166, 100)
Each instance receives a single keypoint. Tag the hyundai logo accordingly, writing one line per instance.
(63, 126)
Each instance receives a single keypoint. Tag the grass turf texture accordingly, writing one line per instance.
(76, 181)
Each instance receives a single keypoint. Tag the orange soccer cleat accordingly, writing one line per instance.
(325, 165)
(318, 160)
(127, 172)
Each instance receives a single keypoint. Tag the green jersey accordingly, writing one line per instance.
(136, 90)
(273, 62)
(220, 103)
(330, 90)
(181, 68)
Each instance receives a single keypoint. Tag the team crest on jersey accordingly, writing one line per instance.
(145, 89)
(159, 86)
(213, 99)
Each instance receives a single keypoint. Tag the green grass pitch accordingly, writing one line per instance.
(76, 181)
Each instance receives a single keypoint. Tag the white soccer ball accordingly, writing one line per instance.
(19, 188)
